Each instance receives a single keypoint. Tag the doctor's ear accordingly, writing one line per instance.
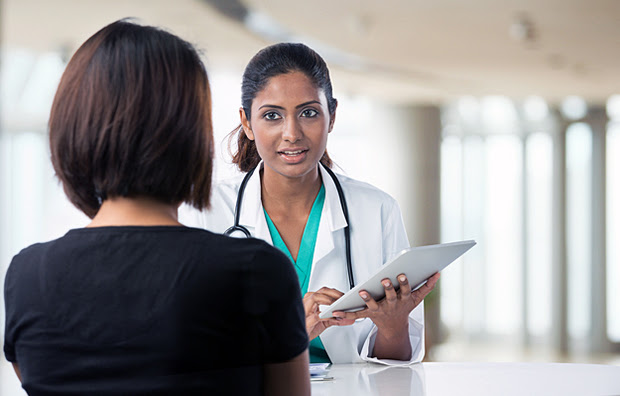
(245, 124)
(332, 118)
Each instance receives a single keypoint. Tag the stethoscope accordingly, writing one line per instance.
(343, 203)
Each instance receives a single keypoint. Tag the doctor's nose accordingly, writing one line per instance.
(292, 131)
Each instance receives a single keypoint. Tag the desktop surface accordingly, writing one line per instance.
(480, 379)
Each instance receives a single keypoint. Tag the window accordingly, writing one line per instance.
(497, 187)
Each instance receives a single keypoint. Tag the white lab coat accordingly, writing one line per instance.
(377, 234)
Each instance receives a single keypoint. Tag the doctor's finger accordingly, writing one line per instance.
(310, 306)
(334, 293)
(390, 293)
(339, 321)
(405, 289)
(363, 313)
(370, 302)
(321, 299)
(310, 301)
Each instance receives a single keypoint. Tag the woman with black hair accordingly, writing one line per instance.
(131, 304)
(291, 200)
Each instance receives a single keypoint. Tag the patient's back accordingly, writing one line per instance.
(148, 310)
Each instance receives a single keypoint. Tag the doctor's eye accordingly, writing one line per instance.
(271, 115)
(309, 113)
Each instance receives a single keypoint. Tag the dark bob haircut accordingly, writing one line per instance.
(273, 61)
(132, 118)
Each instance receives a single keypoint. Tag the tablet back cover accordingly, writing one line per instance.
(417, 263)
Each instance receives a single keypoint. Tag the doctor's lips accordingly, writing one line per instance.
(293, 154)
(292, 151)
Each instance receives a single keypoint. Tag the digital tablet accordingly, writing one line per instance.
(417, 263)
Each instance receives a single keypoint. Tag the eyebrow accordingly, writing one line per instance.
(298, 106)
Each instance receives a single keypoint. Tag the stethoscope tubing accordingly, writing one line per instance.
(236, 227)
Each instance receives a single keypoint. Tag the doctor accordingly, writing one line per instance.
(291, 200)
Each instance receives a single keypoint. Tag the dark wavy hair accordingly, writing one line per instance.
(132, 117)
(269, 62)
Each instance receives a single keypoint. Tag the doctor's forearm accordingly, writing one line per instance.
(393, 344)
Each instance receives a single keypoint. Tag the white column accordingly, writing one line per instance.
(525, 335)
(559, 273)
(421, 140)
(597, 119)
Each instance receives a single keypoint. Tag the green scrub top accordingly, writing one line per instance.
(303, 265)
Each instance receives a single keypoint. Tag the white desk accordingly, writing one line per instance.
(440, 379)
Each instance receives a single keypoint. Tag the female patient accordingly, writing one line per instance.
(136, 303)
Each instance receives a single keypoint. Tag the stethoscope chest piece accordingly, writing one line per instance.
(238, 231)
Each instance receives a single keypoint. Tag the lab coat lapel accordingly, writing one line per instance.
(341, 344)
(332, 219)
(252, 214)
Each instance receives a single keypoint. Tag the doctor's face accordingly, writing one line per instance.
(289, 123)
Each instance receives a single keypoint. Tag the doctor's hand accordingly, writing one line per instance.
(391, 315)
(324, 296)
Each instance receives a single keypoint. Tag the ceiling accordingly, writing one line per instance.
(404, 51)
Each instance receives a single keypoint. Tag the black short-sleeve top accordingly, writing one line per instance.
(150, 310)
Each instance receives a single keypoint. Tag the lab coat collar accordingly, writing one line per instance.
(332, 210)
(252, 214)
(253, 217)
(332, 220)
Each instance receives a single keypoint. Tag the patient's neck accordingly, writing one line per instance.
(139, 211)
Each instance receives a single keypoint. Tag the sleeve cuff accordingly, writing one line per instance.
(416, 338)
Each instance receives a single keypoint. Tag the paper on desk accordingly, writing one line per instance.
(319, 370)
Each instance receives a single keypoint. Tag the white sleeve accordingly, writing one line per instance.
(190, 216)
(395, 240)
(220, 215)
(416, 338)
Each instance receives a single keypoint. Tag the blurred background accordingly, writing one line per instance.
(486, 120)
